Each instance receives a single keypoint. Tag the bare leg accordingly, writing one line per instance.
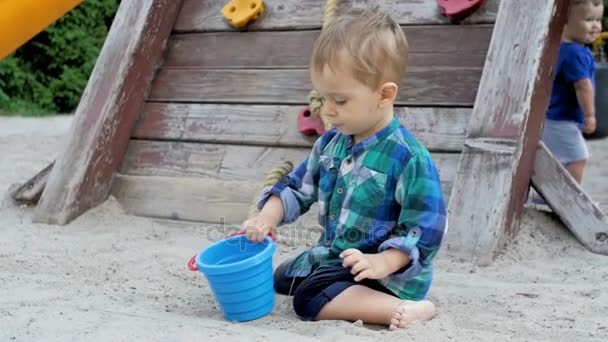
(374, 307)
(576, 170)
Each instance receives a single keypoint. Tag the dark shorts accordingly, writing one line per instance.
(311, 293)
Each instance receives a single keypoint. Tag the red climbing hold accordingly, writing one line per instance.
(309, 124)
(459, 9)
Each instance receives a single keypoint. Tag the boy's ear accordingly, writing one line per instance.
(388, 94)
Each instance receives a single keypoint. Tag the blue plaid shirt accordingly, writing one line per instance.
(383, 192)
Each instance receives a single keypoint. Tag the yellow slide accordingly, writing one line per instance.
(21, 20)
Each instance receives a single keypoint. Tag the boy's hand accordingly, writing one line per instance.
(266, 221)
(590, 124)
(258, 227)
(365, 266)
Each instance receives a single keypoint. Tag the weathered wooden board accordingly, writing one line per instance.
(191, 199)
(30, 191)
(216, 184)
(439, 129)
(230, 162)
(423, 86)
(496, 165)
(430, 46)
(104, 120)
(570, 202)
(199, 16)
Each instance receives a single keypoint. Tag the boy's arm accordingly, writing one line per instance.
(578, 70)
(422, 220)
(586, 98)
(298, 190)
(273, 210)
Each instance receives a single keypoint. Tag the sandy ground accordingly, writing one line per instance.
(112, 277)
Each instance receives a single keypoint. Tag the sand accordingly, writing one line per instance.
(109, 276)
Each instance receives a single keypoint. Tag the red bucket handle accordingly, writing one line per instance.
(192, 262)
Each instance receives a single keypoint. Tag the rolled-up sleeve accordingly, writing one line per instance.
(298, 190)
(422, 219)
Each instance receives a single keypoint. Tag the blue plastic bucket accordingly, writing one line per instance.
(240, 275)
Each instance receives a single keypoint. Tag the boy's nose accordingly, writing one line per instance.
(328, 110)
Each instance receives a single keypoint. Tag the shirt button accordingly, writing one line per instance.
(332, 217)
(340, 191)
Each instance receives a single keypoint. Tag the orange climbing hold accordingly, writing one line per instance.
(240, 12)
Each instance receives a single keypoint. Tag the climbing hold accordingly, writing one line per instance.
(240, 12)
(309, 124)
(458, 9)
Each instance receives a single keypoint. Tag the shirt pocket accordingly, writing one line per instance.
(369, 192)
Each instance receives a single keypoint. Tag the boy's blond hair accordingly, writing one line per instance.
(372, 40)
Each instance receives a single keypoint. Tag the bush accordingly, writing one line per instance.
(605, 24)
(49, 73)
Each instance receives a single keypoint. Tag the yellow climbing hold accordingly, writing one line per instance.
(240, 12)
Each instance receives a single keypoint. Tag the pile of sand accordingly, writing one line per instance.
(109, 276)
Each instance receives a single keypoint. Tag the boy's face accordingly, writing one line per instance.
(584, 23)
(351, 106)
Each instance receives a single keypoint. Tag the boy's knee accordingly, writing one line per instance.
(319, 289)
(303, 300)
(284, 284)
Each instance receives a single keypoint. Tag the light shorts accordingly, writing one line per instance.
(565, 141)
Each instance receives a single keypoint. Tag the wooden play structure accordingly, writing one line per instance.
(184, 115)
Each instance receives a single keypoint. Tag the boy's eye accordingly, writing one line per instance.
(340, 101)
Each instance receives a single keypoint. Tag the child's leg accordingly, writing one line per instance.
(331, 293)
(284, 284)
(371, 306)
(576, 170)
(566, 142)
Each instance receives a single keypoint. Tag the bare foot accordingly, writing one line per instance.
(409, 312)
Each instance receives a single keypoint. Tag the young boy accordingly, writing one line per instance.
(379, 194)
(572, 105)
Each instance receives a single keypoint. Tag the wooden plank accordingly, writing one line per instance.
(226, 203)
(423, 86)
(191, 199)
(231, 162)
(496, 165)
(439, 129)
(217, 185)
(217, 161)
(108, 110)
(457, 46)
(30, 191)
(201, 16)
(570, 202)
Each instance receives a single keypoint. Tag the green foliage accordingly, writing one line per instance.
(605, 26)
(49, 73)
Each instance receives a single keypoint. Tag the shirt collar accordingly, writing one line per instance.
(369, 142)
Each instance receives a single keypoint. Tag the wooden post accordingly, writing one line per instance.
(496, 165)
(568, 200)
(108, 110)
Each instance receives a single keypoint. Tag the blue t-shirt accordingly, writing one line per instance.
(575, 62)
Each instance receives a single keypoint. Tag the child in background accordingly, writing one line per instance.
(378, 190)
(572, 105)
